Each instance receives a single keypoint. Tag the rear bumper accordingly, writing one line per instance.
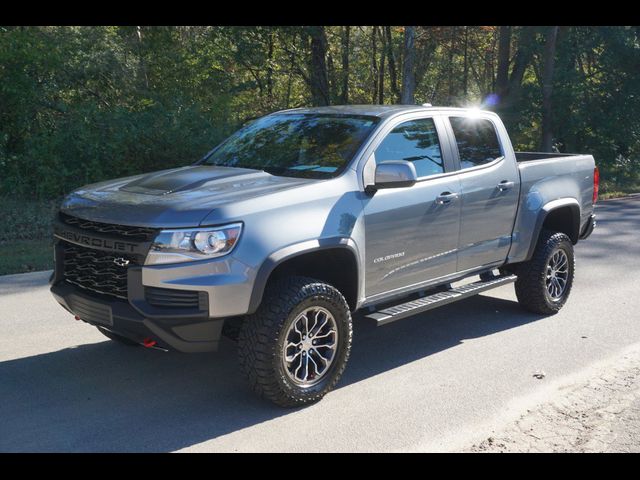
(588, 228)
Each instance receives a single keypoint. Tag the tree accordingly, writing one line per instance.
(83, 104)
(374, 65)
(546, 143)
(392, 64)
(408, 68)
(383, 54)
(344, 95)
(504, 54)
(318, 77)
(521, 60)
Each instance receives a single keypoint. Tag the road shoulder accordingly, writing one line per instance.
(598, 414)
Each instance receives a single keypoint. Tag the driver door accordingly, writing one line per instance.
(412, 233)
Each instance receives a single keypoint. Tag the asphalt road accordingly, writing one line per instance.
(437, 381)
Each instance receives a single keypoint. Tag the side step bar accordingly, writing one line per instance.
(403, 310)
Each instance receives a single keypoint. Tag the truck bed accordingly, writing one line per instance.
(546, 177)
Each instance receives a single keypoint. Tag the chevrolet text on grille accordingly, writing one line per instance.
(102, 243)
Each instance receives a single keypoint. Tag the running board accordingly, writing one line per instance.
(403, 310)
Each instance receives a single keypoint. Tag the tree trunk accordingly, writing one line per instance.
(292, 68)
(270, 67)
(425, 55)
(450, 76)
(504, 52)
(408, 69)
(465, 70)
(374, 66)
(344, 96)
(333, 84)
(143, 65)
(392, 64)
(318, 78)
(383, 54)
(547, 88)
(521, 61)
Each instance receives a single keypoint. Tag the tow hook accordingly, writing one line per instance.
(151, 343)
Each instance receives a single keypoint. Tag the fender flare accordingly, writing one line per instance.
(544, 212)
(287, 253)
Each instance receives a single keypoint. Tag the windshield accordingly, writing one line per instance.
(296, 145)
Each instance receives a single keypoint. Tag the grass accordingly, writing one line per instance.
(22, 256)
(25, 235)
(609, 190)
(617, 193)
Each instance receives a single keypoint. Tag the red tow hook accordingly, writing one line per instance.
(77, 317)
(151, 343)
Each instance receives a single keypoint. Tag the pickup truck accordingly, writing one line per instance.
(307, 218)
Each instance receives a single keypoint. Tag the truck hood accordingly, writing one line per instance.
(180, 197)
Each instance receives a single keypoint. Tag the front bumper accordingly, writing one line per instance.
(184, 334)
(220, 292)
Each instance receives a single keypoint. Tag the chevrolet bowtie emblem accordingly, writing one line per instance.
(121, 262)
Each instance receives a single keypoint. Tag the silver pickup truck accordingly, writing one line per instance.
(306, 217)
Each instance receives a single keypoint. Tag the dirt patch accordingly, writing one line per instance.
(599, 415)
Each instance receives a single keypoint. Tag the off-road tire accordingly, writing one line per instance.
(117, 338)
(531, 287)
(262, 335)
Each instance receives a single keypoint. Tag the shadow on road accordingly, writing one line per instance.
(107, 397)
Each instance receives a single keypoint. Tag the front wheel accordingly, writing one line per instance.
(294, 349)
(545, 281)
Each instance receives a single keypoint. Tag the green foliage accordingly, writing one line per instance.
(25, 235)
(78, 105)
(83, 104)
(26, 256)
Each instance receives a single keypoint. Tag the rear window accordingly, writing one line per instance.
(477, 141)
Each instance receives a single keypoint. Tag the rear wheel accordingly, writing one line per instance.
(544, 282)
(117, 338)
(294, 349)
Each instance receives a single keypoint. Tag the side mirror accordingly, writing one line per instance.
(395, 174)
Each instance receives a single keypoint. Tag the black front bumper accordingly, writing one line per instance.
(182, 329)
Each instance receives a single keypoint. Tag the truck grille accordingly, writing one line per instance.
(139, 234)
(100, 271)
(95, 270)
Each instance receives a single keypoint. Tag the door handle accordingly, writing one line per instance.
(505, 185)
(446, 197)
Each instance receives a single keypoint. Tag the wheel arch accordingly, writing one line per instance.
(562, 215)
(334, 261)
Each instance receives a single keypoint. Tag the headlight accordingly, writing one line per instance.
(173, 246)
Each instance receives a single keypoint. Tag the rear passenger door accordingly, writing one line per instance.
(489, 188)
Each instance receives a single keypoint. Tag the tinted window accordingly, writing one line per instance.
(477, 141)
(415, 141)
(296, 145)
